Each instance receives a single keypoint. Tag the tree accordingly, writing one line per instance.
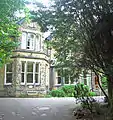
(8, 27)
(89, 22)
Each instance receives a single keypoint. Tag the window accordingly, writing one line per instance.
(59, 77)
(28, 41)
(30, 72)
(37, 73)
(38, 43)
(8, 75)
(59, 80)
(22, 72)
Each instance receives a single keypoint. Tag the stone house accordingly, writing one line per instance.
(28, 70)
(31, 69)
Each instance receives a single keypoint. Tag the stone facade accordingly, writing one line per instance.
(25, 54)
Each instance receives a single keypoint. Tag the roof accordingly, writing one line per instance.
(50, 37)
(21, 21)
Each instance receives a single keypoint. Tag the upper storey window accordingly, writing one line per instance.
(30, 41)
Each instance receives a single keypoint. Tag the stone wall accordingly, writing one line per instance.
(16, 89)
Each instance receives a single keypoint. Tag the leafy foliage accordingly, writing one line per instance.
(92, 94)
(64, 91)
(77, 26)
(84, 96)
(57, 93)
(8, 28)
(104, 83)
(82, 90)
(69, 90)
(83, 28)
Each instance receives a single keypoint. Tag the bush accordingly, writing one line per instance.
(69, 90)
(81, 90)
(47, 96)
(84, 96)
(92, 94)
(65, 91)
(57, 93)
(104, 82)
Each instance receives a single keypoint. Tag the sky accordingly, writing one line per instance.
(45, 2)
(31, 7)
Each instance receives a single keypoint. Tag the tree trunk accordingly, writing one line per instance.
(110, 95)
(101, 87)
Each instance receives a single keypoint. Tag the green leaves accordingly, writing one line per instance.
(64, 91)
(81, 32)
(81, 90)
(8, 28)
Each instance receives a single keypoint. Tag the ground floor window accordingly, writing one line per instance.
(8, 75)
(22, 72)
(37, 73)
(58, 77)
(30, 72)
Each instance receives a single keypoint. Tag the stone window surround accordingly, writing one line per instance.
(25, 78)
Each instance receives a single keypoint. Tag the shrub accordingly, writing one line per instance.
(92, 94)
(69, 90)
(48, 96)
(64, 91)
(83, 94)
(104, 82)
(81, 90)
(57, 93)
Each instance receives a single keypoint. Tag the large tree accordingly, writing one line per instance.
(87, 24)
(8, 27)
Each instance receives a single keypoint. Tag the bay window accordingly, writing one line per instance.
(29, 72)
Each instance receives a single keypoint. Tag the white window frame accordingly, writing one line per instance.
(31, 42)
(25, 73)
(24, 41)
(29, 73)
(23, 83)
(5, 82)
(37, 42)
(37, 73)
